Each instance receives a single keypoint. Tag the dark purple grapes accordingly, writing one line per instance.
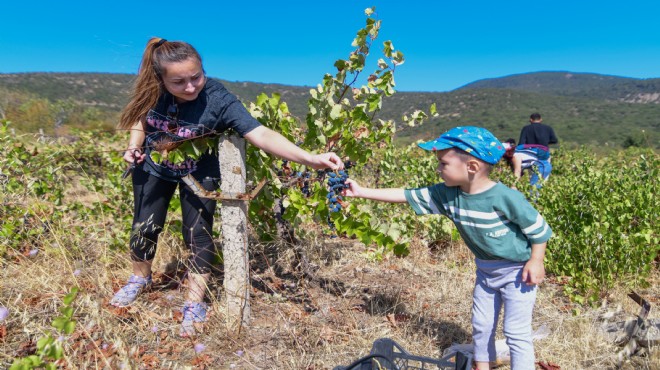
(336, 183)
(303, 181)
(304, 188)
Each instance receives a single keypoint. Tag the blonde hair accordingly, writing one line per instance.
(148, 84)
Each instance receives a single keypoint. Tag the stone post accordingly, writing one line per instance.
(231, 151)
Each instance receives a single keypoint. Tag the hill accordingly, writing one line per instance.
(110, 90)
(576, 120)
(584, 108)
(586, 85)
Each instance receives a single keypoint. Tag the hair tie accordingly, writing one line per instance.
(159, 43)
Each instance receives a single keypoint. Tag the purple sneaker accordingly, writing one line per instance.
(129, 292)
(193, 312)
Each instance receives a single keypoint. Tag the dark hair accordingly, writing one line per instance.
(149, 82)
(510, 141)
(535, 117)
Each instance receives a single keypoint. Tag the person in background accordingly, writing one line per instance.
(533, 152)
(502, 229)
(509, 149)
(173, 101)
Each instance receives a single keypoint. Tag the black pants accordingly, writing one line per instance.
(152, 197)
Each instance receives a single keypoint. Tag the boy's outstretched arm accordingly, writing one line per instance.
(383, 195)
(534, 271)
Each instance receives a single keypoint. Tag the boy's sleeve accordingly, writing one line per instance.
(530, 221)
(427, 200)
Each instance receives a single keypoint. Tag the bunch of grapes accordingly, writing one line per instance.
(304, 182)
(336, 183)
(301, 179)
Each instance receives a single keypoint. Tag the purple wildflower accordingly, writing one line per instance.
(4, 312)
(199, 347)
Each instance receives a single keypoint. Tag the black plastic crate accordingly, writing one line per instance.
(387, 354)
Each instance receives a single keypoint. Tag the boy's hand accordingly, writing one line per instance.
(533, 272)
(353, 189)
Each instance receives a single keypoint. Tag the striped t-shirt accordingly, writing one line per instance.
(498, 223)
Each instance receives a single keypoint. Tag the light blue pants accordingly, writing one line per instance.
(542, 168)
(499, 283)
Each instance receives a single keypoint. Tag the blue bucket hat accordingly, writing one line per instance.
(476, 141)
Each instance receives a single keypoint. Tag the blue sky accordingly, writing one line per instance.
(447, 44)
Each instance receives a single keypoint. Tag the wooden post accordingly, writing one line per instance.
(231, 150)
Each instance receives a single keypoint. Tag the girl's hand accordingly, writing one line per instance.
(134, 155)
(353, 189)
(326, 160)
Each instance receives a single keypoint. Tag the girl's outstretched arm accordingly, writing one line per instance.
(274, 143)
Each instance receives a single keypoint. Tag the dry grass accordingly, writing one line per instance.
(320, 321)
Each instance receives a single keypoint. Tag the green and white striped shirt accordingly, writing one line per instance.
(496, 224)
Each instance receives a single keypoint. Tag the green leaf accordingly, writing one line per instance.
(262, 99)
(35, 361)
(387, 48)
(398, 58)
(67, 311)
(375, 102)
(382, 64)
(336, 111)
(275, 100)
(59, 323)
(194, 151)
(156, 156)
(294, 197)
(59, 352)
(401, 249)
(394, 232)
(44, 341)
(70, 327)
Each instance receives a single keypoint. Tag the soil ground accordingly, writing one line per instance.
(325, 315)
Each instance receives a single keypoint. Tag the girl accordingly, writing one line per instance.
(173, 100)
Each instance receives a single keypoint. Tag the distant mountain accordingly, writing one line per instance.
(109, 90)
(583, 108)
(105, 90)
(577, 120)
(586, 85)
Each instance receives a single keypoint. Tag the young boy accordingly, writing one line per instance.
(505, 233)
